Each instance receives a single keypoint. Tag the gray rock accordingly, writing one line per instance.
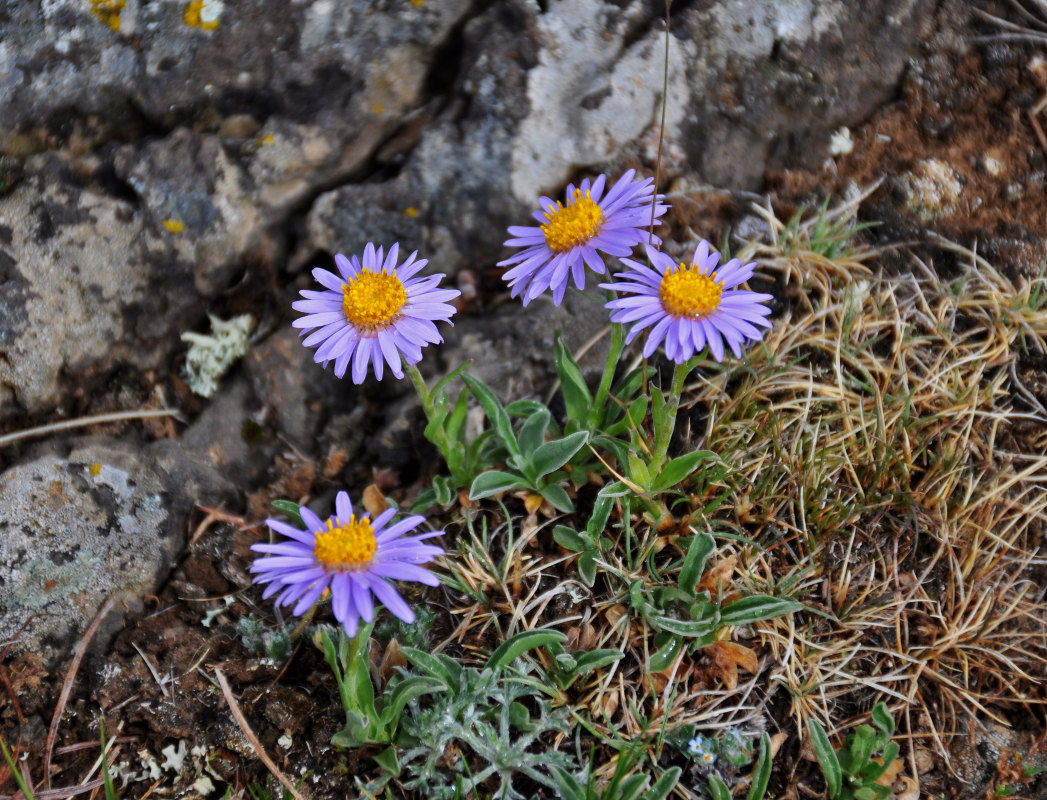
(541, 96)
(75, 531)
(86, 282)
(162, 61)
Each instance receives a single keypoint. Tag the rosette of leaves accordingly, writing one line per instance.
(488, 728)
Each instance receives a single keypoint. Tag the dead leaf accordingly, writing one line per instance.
(727, 657)
(374, 500)
(391, 659)
(911, 790)
(532, 502)
(887, 779)
(718, 575)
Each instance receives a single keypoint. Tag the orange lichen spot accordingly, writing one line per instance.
(95, 469)
(417, 3)
(108, 11)
(203, 14)
(174, 226)
(377, 108)
(411, 212)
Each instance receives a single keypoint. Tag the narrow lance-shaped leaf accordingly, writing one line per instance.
(756, 608)
(694, 561)
(677, 470)
(827, 759)
(492, 406)
(511, 649)
(577, 398)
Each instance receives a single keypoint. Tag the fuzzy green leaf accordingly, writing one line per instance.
(557, 497)
(578, 400)
(756, 608)
(432, 666)
(827, 759)
(532, 433)
(718, 789)
(762, 771)
(587, 569)
(690, 628)
(494, 482)
(674, 473)
(496, 413)
(664, 656)
(511, 649)
(664, 784)
(388, 761)
(405, 691)
(694, 561)
(570, 539)
(553, 455)
(882, 719)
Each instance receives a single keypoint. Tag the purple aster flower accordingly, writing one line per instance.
(355, 556)
(571, 237)
(690, 306)
(376, 312)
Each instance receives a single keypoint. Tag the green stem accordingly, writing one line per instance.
(421, 388)
(664, 431)
(614, 355)
(357, 651)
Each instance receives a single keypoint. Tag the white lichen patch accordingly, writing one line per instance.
(932, 190)
(210, 356)
(841, 143)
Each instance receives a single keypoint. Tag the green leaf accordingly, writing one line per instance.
(873, 770)
(432, 666)
(455, 425)
(596, 659)
(756, 608)
(587, 569)
(405, 691)
(600, 514)
(691, 628)
(520, 717)
(566, 784)
(388, 761)
(718, 789)
(638, 472)
(446, 379)
(426, 499)
(664, 656)
(578, 400)
(882, 719)
(762, 771)
(553, 455)
(496, 413)
(694, 561)
(827, 759)
(633, 786)
(570, 539)
(511, 649)
(532, 433)
(657, 408)
(674, 473)
(557, 497)
(664, 784)
(444, 490)
(494, 482)
(524, 408)
(289, 509)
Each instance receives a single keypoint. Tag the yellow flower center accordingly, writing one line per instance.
(373, 300)
(573, 225)
(349, 546)
(689, 293)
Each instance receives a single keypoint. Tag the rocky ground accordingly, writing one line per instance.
(166, 164)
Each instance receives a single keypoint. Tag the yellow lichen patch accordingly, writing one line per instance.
(373, 300)
(95, 469)
(417, 3)
(267, 139)
(108, 11)
(346, 545)
(203, 14)
(689, 293)
(411, 212)
(377, 108)
(574, 224)
(173, 226)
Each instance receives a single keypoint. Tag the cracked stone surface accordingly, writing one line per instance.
(75, 531)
